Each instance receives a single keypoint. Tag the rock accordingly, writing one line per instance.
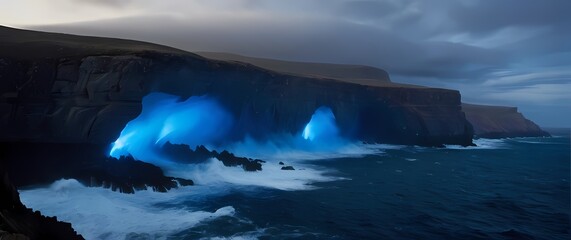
(183, 153)
(288, 168)
(184, 182)
(281, 163)
(500, 122)
(230, 160)
(42, 163)
(19, 222)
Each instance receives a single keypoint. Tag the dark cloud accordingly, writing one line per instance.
(368, 9)
(317, 41)
(489, 16)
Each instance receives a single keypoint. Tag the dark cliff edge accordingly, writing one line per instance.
(500, 122)
(19, 222)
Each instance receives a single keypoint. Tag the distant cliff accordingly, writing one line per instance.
(500, 122)
(66, 88)
(359, 74)
(488, 121)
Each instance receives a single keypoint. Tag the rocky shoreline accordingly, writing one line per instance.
(65, 98)
(38, 164)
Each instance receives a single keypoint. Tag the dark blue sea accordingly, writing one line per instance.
(503, 189)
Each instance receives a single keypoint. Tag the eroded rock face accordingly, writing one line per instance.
(89, 97)
(500, 122)
(92, 98)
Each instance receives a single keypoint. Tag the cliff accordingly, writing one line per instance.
(488, 121)
(500, 122)
(65, 88)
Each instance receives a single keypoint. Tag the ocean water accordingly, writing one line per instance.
(504, 189)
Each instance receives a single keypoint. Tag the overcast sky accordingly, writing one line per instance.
(502, 52)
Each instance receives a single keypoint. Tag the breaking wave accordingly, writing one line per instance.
(99, 213)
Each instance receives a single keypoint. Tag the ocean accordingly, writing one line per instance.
(503, 189)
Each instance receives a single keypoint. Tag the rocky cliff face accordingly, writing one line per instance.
(500, 122)
(76, 96)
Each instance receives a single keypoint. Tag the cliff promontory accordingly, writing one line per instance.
(500, 122)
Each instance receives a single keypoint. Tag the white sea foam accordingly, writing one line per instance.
(299, 150)
(214, 173)
(99, 213)
(482, 143)
(240, 236)
(537, 140)
(534, 142)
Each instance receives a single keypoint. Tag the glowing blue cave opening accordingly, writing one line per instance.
(203, 121)
(194, 121)
(322, 126)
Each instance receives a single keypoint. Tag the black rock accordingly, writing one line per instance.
(127, 175)
(19, 222)
(183, 153)
(288, 168)
(42, 163)
(281, 163)
(184, 182)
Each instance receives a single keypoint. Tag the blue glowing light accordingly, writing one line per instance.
(203, 121)
(322, 126)
(194, 121)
